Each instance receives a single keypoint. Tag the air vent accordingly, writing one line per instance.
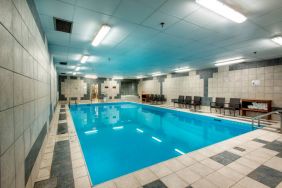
(63, 63)
(62, 25)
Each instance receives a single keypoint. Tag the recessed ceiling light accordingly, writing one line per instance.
(277, 39)
(229, 61)
(117, 78)
(101, 35)
(156, 74)
(223, 10)
(182, 69)
(92, 76)
(84, 58)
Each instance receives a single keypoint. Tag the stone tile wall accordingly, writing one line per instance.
(191, 85)
(238, 83)
(25, 87)
(228, 81)
(149, 86)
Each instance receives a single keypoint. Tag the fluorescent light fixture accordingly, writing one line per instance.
(157, 139)
(92, 76)
(118, 127)
(84, 58)
(229, 61)
(277, 39)
(139, 130)
(179, 151)
(156, 73)
(101, 35)
(140, 76)
(117, 78)
(74, 73)
(77, 68)
(182, 69)
(223, 10)
(91, 132)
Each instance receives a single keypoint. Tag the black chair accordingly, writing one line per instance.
(151, 98)
(178, 101)
(218, 104)
(233, 105)
(196, 102)
(188, 101)
(158, 99)
(162, 99)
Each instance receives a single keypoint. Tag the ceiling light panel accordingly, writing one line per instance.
(84, 59)
(156, 74)
(229, 61)
(182, 69)
(101, 35)
(223, 10)
(277, 40)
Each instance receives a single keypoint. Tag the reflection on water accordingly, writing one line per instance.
(120, 138)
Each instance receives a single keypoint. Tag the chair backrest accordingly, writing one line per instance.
(162, 97)
(188, 99)
(220, 101)
(235, 102)
(181, 98)
(197, 100)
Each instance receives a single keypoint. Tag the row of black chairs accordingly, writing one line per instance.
(154, 98)
(186, 101)
(233, 105)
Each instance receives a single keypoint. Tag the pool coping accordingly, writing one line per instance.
(170, 168)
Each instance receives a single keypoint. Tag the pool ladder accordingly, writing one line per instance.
(258, 118)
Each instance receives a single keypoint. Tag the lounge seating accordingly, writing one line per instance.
(179, 101)
(151, 98)
(162, 98)
(196, 102)
(218, 104)
(188, 101)
(233, 105)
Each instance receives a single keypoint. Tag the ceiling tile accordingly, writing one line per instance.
(179, 8)
(133, 11)
(158, 17)
(105, 6)
(54, 8)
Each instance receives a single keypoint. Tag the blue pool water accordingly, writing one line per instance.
(119, 138)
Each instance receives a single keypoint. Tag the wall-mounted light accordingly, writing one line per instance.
(229, 61)
(223, 10)
(182, 69)
(84, 58)
(277, 39)
(156, 74)
(101, 35)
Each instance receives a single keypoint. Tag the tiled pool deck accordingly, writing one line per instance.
(253, 159)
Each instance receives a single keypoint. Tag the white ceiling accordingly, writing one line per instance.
(137, 44)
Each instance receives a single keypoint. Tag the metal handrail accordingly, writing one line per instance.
(279, 112)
